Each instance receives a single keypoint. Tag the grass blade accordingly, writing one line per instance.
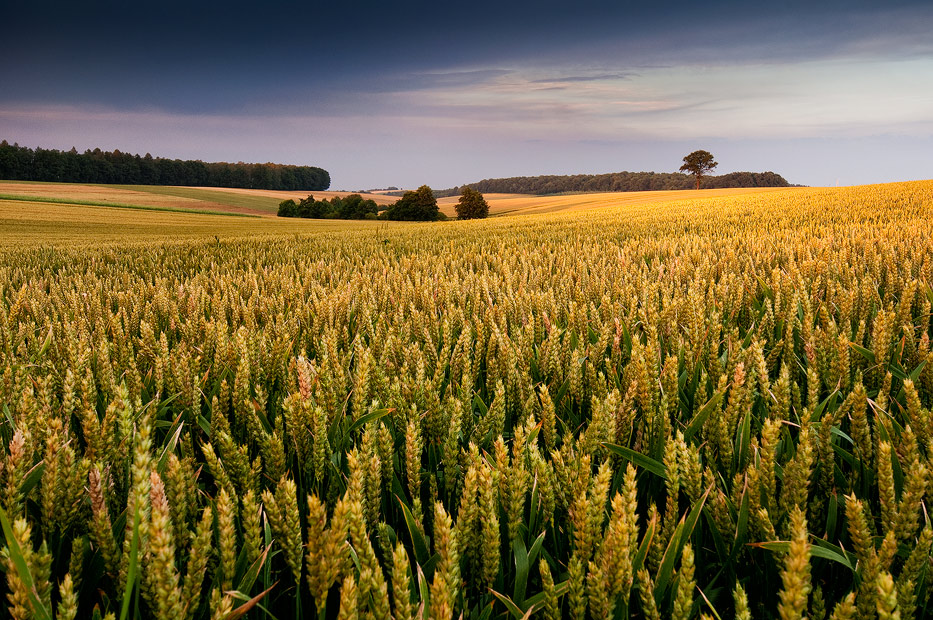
(637, 458)
(240, 611)
(514, 609)
(22, 569)
(817, 550)
(676, 546)
(133, 564)
(417, 540)
(700, 418)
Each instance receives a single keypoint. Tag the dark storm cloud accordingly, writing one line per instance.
(240, 57)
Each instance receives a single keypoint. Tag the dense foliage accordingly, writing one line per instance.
(352, 207)
(718, 405)
(617, 182)
(471, 205)
(419, 205)
(19, 163)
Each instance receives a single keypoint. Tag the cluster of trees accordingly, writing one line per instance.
(352, 207)
(618, 182)
(419, 205)
(414, 206)
(19, 163)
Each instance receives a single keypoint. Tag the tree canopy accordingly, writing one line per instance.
(419, 205)
(472, 205)
(698, 163)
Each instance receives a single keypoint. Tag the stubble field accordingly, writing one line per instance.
(713, 407)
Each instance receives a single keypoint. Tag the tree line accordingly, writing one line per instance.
(617, 182)
(20, 163)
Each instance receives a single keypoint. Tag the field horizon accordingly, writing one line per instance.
(264, 203)
(35, 213)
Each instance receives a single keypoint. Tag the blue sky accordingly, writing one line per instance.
(447, 93)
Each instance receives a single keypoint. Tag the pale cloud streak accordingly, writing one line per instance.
(822, 98)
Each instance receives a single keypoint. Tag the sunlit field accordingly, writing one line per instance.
(709, 404)
(27, 223)
(265, 202)
(139, 195)
(519, 204)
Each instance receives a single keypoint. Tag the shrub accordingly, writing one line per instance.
(288, 208)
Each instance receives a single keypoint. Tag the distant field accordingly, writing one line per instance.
(224, 200)
(280, 195)
(523, 204)
(117, 194)
(35, 223)
(259, 205)
(265, 202)
(258, 201)
(107, 222)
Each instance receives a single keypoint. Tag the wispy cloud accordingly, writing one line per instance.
(432, 79)
(582, 78)
(807, 98)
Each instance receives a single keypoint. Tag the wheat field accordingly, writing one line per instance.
(264, 202)
(521, 204)
(713, 407)
(141, 195)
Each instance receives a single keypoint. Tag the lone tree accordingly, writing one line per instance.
(471, 205)
(698, 163)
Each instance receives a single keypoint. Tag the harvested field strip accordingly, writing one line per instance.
(36, 224)
(262, 204)
(90, 203)
(280, 195)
